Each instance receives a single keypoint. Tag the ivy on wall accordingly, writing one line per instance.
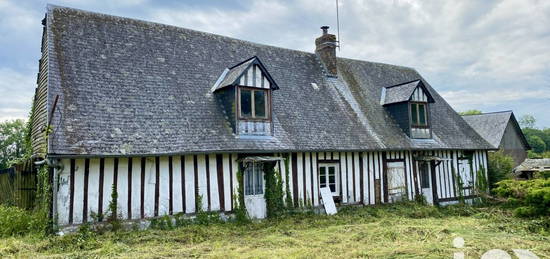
(241, 214)
(274, 195)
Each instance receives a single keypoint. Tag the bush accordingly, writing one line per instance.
(532, 196)
(15, 221)
(500, 167)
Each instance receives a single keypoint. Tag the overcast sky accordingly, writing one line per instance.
(486, 55)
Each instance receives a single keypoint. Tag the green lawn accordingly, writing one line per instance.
(404, 231)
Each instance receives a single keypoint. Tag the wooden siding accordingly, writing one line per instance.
(419, 95)
(39, 114)
(145, 192)
(512, 143)
(254, 77)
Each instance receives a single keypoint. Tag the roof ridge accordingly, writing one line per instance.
(53, 6)
(488, 113)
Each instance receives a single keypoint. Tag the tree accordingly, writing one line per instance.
(12, 141)
(500, 167)
(527, 121)
(537, 144)
(470, 112)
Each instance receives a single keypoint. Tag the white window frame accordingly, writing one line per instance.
(336, 176)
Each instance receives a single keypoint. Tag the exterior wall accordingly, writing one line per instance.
(146, 186)
(40, 112)
(446, 186)
(512, 144)
(155, 186)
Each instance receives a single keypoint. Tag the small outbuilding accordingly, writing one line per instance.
(530, 166)
(501, 130)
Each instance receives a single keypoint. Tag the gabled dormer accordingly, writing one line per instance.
(245, 92)
(408, 104)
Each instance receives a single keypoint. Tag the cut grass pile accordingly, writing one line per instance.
(405, 230)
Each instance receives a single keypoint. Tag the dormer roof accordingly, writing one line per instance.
(250, 72)
(410, 91)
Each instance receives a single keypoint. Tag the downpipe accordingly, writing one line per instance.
(51, 162)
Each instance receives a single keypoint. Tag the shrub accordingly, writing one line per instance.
(500, 167)
(532, 196)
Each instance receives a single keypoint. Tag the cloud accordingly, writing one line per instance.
(15, 18)
(17, 92)
(490, 54)
(465, 98)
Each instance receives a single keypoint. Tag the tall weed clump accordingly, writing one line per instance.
(15, 221)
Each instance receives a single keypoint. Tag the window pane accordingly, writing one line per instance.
(248, 182)
(331, 170)
(331, 179)
(414, 114)
(322, 177)
(332, 187)
(246, 103)
(424, 176)
(259, 188)
(421, 114)
(259, 104)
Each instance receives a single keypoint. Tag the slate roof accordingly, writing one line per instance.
(234, 73)
(130, 87)
(492, 126)
(539, 164)
(399, 93)
(402, 92)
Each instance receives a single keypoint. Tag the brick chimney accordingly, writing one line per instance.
(325, 48)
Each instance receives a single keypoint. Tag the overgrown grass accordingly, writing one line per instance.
(405, 230)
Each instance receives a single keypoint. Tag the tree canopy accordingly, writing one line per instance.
(538, 139)
(12, 142)
(470, 112)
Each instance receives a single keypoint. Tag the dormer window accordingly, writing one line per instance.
(418, 115)
(408, 103)
(245, 91)
(253, 103)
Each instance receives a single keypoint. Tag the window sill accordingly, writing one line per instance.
(255, 137)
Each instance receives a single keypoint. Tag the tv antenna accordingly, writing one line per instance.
(338, 26)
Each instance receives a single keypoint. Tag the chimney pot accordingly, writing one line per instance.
(325, 29)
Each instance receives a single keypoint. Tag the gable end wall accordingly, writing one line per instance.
(512, 144)
(40, 111)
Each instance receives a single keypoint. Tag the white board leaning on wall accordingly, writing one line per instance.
(328, 202)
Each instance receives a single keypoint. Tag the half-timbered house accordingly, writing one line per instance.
(166, 115)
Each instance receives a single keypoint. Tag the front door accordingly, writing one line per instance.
(254, 190)
(426, 182)
(466, 176)
(397, 188)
